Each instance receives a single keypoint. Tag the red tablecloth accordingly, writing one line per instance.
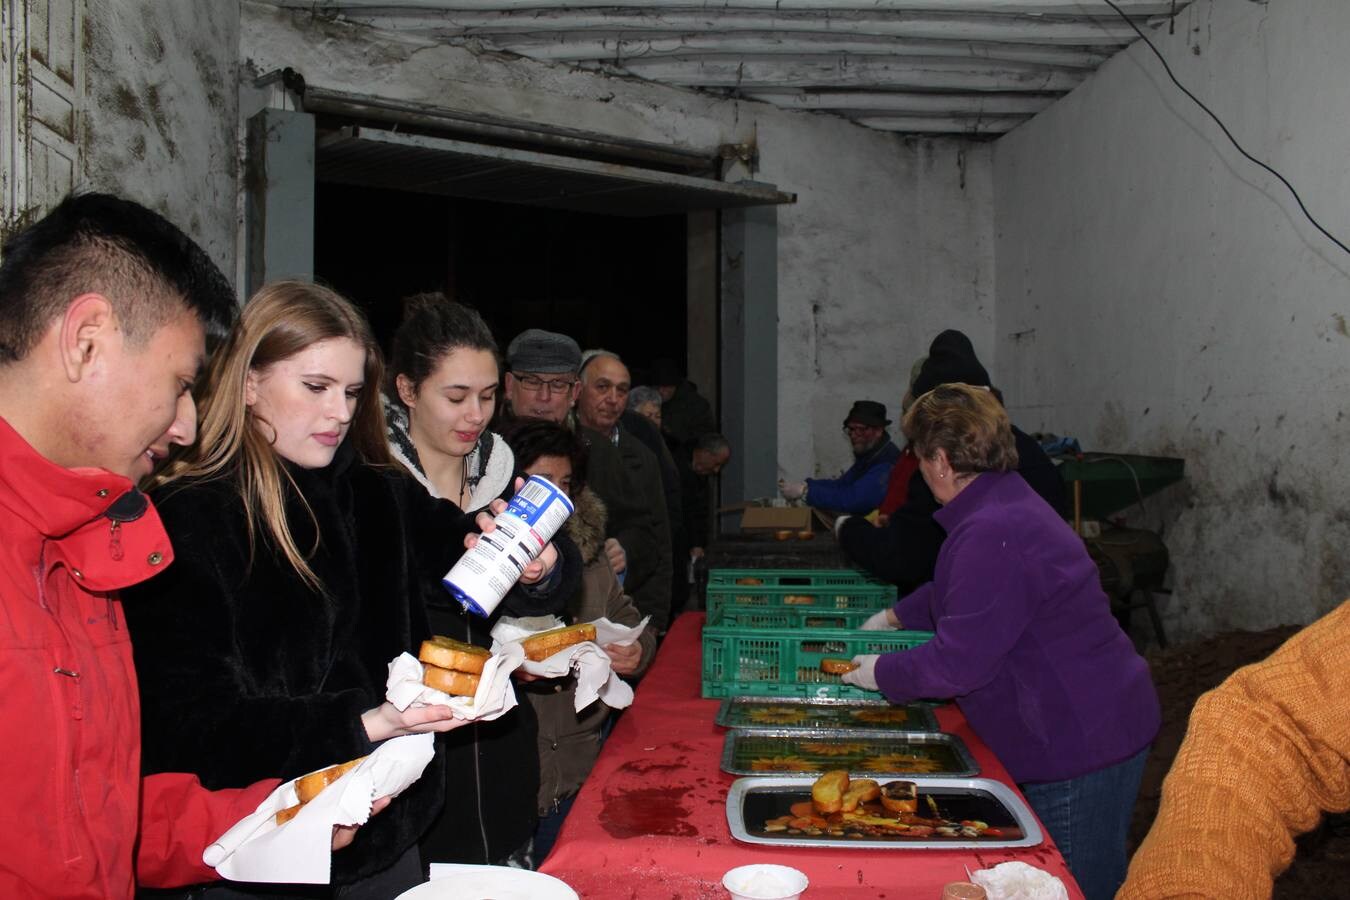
(651, 820)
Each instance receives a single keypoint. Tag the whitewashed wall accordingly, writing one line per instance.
(161, 103)
(890, 240)
(1159, 294)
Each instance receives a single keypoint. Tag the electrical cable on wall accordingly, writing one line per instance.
(1224, 128)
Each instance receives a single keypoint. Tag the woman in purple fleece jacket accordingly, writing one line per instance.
(1025, 641)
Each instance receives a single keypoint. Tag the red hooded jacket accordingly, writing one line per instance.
(76, 818)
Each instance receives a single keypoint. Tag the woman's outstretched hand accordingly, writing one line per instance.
(385, 721)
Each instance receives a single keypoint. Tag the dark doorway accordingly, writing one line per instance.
(608, 281)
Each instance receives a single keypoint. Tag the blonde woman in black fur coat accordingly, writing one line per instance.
(304, 560)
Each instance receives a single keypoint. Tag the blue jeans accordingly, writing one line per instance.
(1089, 818)
(546, 832)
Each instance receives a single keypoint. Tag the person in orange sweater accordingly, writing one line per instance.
(1266, 753)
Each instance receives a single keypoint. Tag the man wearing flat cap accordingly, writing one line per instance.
(860, 489)
(905, 551)
(541, 375)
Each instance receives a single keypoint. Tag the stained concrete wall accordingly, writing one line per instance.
(890, 240)
(158, 123)
(1159, 294)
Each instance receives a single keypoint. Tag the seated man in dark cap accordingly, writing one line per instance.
(860, 489)
(905, 551)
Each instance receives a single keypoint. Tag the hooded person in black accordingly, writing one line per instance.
(905, 551)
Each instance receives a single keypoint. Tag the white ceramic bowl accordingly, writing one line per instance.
(764, 881)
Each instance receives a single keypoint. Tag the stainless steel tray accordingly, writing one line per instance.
(901, 754)
(762, 798)
(826, 716)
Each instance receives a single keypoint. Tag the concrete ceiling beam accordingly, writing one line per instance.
(616, 21)
(858, 72)
(585, 46)
(1077, 8)
(856, 104)
(942, 124)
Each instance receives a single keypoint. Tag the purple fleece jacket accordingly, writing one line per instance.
(1025, 641)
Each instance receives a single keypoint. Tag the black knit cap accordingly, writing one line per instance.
(868, 412)
(951, 360)
(665, 373)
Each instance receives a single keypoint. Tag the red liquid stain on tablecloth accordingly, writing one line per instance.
(638, 767)
(646, 811)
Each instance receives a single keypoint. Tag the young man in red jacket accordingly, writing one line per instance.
(104, 312)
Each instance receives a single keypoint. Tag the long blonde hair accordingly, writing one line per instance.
(281, 320)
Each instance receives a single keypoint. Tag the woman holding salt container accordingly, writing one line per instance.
(303, 562)
(1024, 638)
(444, 375)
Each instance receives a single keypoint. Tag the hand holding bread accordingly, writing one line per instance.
(343, 835)
(450, 666)
(307, 787)
(386, 721)
(624, 659)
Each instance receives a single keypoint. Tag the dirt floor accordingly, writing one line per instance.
(1184, 672)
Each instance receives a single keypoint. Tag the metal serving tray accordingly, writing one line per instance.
(754, 800)
(901, 754)
(825, 716)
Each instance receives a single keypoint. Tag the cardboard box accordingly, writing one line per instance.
(776, 518)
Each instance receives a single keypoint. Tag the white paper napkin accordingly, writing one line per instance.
(596, 679)
(1019, 881)
(300, 852)
(495, 695)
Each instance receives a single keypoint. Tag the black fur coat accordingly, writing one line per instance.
(247, 673)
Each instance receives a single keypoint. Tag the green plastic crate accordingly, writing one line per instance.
(779, 662)
(794, 577)
(795, 617)
(791, 606)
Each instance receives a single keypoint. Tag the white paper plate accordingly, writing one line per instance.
(456, 882)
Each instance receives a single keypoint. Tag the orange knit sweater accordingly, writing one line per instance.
(1266, 753)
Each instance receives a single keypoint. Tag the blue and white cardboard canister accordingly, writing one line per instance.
(484, 574)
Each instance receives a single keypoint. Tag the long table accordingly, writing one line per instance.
(651, 822)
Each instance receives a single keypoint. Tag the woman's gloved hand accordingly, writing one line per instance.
(792, 490)
(865, 676)
(884, 620)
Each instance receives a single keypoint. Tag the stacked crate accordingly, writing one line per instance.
(767, 631)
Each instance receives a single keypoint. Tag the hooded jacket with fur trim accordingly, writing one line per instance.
(569, 741)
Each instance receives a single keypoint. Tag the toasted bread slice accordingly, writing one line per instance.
(456, 684)
(309, 786)
(827, 794)
(285, 815)
(546, 643)
(859, 792)
(837, 666)
(900, 796)
(448, 653)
